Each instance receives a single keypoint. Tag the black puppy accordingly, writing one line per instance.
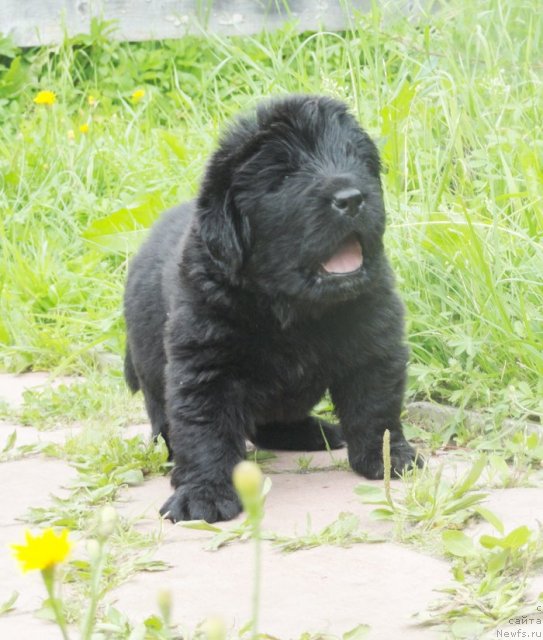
(244, 306)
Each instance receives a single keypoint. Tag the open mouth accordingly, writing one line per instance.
(347, 258)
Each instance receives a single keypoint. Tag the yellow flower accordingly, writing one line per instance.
(84, 128)
(45, 97)
(42, 551)
(137, 95)
(91, 100)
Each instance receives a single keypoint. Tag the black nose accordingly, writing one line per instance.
(347, 201)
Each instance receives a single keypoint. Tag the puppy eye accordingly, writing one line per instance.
(278, 182)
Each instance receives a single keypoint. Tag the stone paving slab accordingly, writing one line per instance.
(325, 589)
(24, 483)
(12, 387)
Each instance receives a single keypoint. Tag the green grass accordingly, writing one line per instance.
(426, 504)
(455, 100)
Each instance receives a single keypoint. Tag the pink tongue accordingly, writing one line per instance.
(347, 258)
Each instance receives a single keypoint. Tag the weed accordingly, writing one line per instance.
(490, 579)
(304, 463)
(343, 532)
(100, 397)
(104, 465)
(9, 604)
(426, 503)
(13, 452)
(514, 457)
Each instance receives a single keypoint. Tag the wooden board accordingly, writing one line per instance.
(35, 22)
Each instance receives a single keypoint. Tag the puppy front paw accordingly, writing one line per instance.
(368, 461)
(210, 502)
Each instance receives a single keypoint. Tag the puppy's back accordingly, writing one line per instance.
(145, 307)
(147, 266)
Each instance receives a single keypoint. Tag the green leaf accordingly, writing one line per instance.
(324, 406)
(517, 538)
(10, 443)
(8, 48)
(489, 542)
(458, 544)
(371, 494)
(464, 503)
(97, 495)
(174, 144)
(459, 573)
(490, 517)
(14, 78)
(131, 477)
(153, 622)
(467, 628)
(8, 604)
(382, 514)
(225, 537)
(497, 561)
(532, 440)
(123, 230)
(513, 540)
(498, 464)
(201, 525)
(471, 478)
(358, 633)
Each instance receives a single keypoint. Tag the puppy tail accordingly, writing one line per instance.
(130, 374)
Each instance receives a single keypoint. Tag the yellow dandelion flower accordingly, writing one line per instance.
(45, 97)
(91, 101)
(42, 551)
(138, 95)
(84, 128)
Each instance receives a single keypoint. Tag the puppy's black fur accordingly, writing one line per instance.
(236, 326)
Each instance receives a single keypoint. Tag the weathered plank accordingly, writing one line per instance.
(35, 22)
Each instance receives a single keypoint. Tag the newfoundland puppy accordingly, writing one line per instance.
(246, 305)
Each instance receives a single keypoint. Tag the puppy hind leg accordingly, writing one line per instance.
(130, 374)
(157, 414)
(309, 434)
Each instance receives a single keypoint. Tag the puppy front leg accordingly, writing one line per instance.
(207, 434)
(369, 400)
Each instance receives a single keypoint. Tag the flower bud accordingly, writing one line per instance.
(213, 629)
(164, 599)
(247, 479)
(107, 521)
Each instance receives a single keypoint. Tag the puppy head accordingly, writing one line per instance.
(291, 204)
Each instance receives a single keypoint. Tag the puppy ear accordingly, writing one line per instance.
(225, 234)
(224, 231)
